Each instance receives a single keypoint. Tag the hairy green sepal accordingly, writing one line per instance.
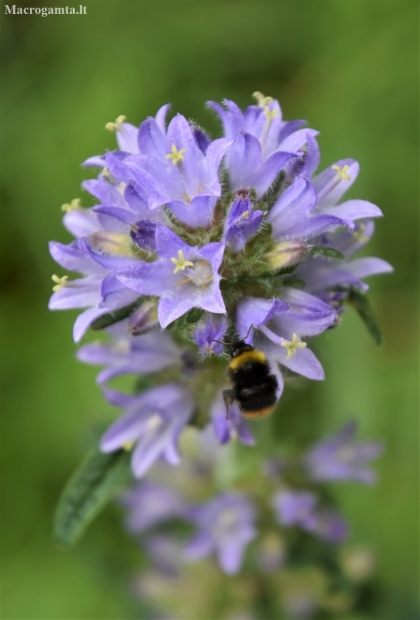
(323, 250)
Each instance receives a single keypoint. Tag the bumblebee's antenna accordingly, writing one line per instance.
(226, 344)
(247, 334)
(229, 344)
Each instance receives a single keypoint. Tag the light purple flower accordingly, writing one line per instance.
(300, 509)
(149, 504)
(150, 425)
(264, 122)
(340, 457)
(96, 291)
(225, 527)
(281, 325)
(293, 214)
(233, 427)
(184, 277)
(126, 354)
(321, 274)
(185, 179)
(263, 143)
(128, 138)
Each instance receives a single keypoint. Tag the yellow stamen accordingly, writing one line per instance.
(270, 114)
(293, 345)
(245, 215)
(60, 282)
(180, 262)
(74, 205)
(261, 100)
(342, 172)
(107, 175)
(359, 235)
(117, 125)
(127, 446)
(176, 155)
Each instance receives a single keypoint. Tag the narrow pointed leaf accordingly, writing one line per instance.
(360, 302)
(89, 489)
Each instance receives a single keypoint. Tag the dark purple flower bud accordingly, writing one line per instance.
(143, 234)
(241, 223)
(208, 331)
(201, 138)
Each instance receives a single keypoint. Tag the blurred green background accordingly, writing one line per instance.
(351, 69)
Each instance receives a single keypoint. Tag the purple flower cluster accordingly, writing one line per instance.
(209, 240)
(227, 523)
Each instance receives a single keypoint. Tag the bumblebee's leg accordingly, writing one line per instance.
(228, 398)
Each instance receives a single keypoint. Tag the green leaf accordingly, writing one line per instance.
(323, 250)
(89, 489)
(115, 316)
(361, 304)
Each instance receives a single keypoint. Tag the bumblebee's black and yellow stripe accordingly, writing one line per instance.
(254, 388)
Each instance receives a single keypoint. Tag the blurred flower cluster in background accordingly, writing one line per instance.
(232, 518)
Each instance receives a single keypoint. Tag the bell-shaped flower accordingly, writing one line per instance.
(183, 276)
(300, 509)
(186, 180)
(292, 215)
(225, 527)
(280, 327)
(341, 457)
(127, 354)
(321, 274)
(128, 137)
(149, 504)
(265, 123)
(331, 184)
(86, 292)
(150, 425)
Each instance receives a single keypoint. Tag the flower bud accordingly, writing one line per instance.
(285, 254)
(143, 319)
(111, 243)
(271, 552)
(143, 234)
(358, 563)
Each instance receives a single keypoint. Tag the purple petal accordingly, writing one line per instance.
(230, 557)
(127, 138)
(151, 139)
(256, 311)
(104, 191)
(84, 321)
(81, 222)
(149, 278)
(171, 308)
(369, 266)
(354, 210)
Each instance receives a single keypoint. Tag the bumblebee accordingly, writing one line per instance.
(254, 388)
